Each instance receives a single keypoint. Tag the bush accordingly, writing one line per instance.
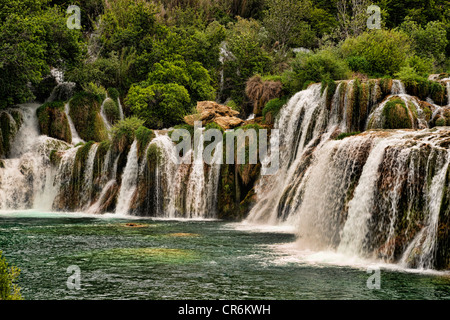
(143, 138)
(113, 93)
(123, 132)
(310, 68)
(358, 64)
(111, 110)
(274, 106)
(8, 276)
(96, 90)
(160, 105)
(384, 50)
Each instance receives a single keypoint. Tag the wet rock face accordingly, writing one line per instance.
(10, 122)
(210, 111)
(53, 121)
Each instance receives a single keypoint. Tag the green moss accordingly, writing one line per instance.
(8, 129)
(396, 115)
(183, 126)
(345, 135)
(154, 156)
(111, 110)
(427, 112)
(53, 121)
(273, 107)
(113, 94)
(77, 178)
(123, 132)
(440, 122)
(143, 137)
(85, 113)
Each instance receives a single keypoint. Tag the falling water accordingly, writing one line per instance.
(129, 179)
(88, 177)
(75, 137)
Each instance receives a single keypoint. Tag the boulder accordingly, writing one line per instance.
(210, 111)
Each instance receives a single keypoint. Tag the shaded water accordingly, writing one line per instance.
(184, 259)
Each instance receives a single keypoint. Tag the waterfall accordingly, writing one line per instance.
(88, 177)
(75, 137)
(195, 196)
(397, 87)
(26, 173)
(103, 115)
(129, 180)
(448, 92)
(300, 125)
(120, 109)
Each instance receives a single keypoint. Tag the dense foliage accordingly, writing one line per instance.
(163, 56)
(8, 277)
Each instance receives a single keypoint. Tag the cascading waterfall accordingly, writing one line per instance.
(88, 177)
(380, 194)
(103, 115)
(75, 137)
(24, 177)
(129, 181)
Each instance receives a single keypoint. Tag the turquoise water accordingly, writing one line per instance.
(157, 259)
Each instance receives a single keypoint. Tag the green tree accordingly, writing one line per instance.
(8, 276)
(159, 105)
(385, 51)
(245, 40)
(314, 67)
(430, 41)
(285, 22)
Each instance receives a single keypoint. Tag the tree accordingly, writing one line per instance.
(430, 41)
(285, 22)
(159, 105)
(245, 40)
(385, 51)
(352, 17)
(8, 276)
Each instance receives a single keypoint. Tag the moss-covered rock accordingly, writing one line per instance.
(53, 121)
(111, 110)
(9, 125)
(85, 114)
(143, 137)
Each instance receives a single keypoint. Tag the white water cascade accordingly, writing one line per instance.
(129, 180)
(75, 137)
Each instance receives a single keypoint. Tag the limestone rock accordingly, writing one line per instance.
(210, 111)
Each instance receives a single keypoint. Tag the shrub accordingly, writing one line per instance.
(97, 90)
(8, 276)
(384, 50)
(111, 110)
(113, 93)
(123, 132)
(274, 106)
(160, 105)
(143, 138)
(358, 64)
(310, 68)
